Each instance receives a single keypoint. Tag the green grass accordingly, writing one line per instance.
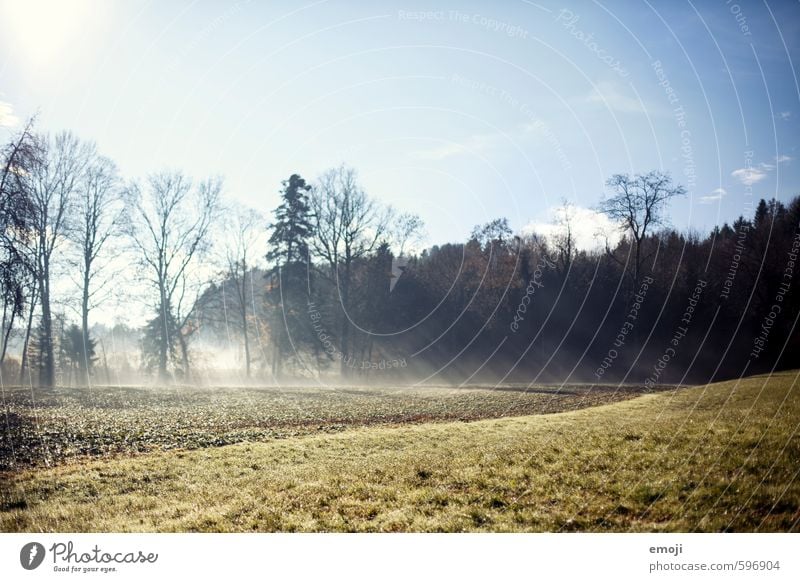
(723, 457)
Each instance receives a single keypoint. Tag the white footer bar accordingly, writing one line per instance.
(355, 557)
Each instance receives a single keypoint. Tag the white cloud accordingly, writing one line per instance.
(753, 174)
(7, 117)
(781, 159)
(714, 196)
(785, 115)
(590, 228)
(610, 96)
(749, 176)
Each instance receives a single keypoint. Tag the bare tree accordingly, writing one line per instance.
(348, 225)
(638, 205)
(407, 229)
(98, 212)
(244, 228)
(169, 227)
(564, 238)
(52, 183)
(186, 305)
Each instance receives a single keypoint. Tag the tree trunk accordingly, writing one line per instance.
(7, 331)
(83, 365)
(636, 276)
(277, 359)
(246, 345)
(184, 354)
(245, 333)
(29, 325)
(345, 335)
(278, 335)
(48, 374)
(163, 343)
(105, 362)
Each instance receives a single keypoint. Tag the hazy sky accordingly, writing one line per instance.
(460, 111)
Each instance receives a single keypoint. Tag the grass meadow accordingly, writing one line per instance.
(720, 457)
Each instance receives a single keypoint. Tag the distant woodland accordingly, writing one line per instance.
(333, 284)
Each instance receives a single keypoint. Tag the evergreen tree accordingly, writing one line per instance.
(292, 227)
(78, 352)
(289, 277)
(159, 331)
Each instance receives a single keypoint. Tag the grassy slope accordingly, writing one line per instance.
(722, 457)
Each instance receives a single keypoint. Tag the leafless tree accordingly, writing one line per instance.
(244, 228)
(98, 215)
(169, 228)
(564, 238)
(637, 204)
(348, 225)
(188, 292)
(407, 229)
(52, 183)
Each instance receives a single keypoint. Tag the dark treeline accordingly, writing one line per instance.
(702, 308)
(659, 307)
(333, 284)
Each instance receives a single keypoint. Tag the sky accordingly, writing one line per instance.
(459, 111)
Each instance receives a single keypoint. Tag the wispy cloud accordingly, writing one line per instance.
(753, 174)
(749, 176)
(7, 117)
(714, 196)
(611, 96)
(785, 115)
(783, 158)
(471, 144)
(484, 142)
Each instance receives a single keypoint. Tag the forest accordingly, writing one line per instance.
(333, 284)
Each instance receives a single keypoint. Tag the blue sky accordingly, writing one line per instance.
(460, 111)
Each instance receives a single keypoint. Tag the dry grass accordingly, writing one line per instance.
(716, 458)
(48, 427)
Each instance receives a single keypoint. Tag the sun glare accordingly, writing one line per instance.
(40, 31)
